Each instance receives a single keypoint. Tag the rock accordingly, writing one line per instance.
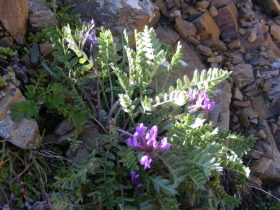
(89, 137)
(234, 44)
(16, 25)
(237, 94)
(267, 85)
(254, 154)
(7, 41)
(273, 153)
(118, 14)
(274, 128)
(250, 112)
(261, 165)
(261, 134)
(242, 31)
(254, 62)
(213, 11)
(40, 15)
(25, 60)
(252, 35)
(191, 61)
(204, 50)
(206, 27)
(202, 4)
(51, 138)
(177, 4)
(243, 119)
(24, 134)
(243, 75)
(174, 14)
(275, 32)
(242, 104)
(46, 50)
(185, 28)
(34, 54)
(193, 40)
(167, 35)
(218, 3)
(64, 127)
(248, 57)
(193, 13)
(64, 139)
(215, 59)
(278, 121)
(263, 62)
(12, 95)
(237, 58)
(227, 22)
(220, 115)
(265, 111)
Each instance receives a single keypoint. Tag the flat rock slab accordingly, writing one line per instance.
(24, 134)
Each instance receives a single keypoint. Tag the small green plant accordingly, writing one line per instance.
(62, 14)
(6, 52)
(154, 143)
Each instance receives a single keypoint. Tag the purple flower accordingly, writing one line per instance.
(134, 176)
(92, 41)
(202, 102)
(148, 143)
(146, 161)
(134, 179)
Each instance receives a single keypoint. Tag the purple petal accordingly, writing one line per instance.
(192, 108)
(139, 185)
(153, 133)
(164, 145)
(211, 106)
(132, 142)
(134, 175)
(146, 161)
(141, 129)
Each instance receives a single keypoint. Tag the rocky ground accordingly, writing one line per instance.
(234, 35)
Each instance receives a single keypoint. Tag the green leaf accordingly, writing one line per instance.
(25, 109)
(82, 60)
(74, 62)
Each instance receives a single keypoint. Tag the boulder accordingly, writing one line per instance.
(13, 16)
(40, 15)
(118, 14)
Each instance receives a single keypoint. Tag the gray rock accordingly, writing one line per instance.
(167, 35)
(243, 75)
(34, 54)
(88, 137)
(40, 15)
(118, 14)
(220, 115)
(24, 134)
(64, 127)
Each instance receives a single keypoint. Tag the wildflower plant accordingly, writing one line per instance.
(154, 143)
